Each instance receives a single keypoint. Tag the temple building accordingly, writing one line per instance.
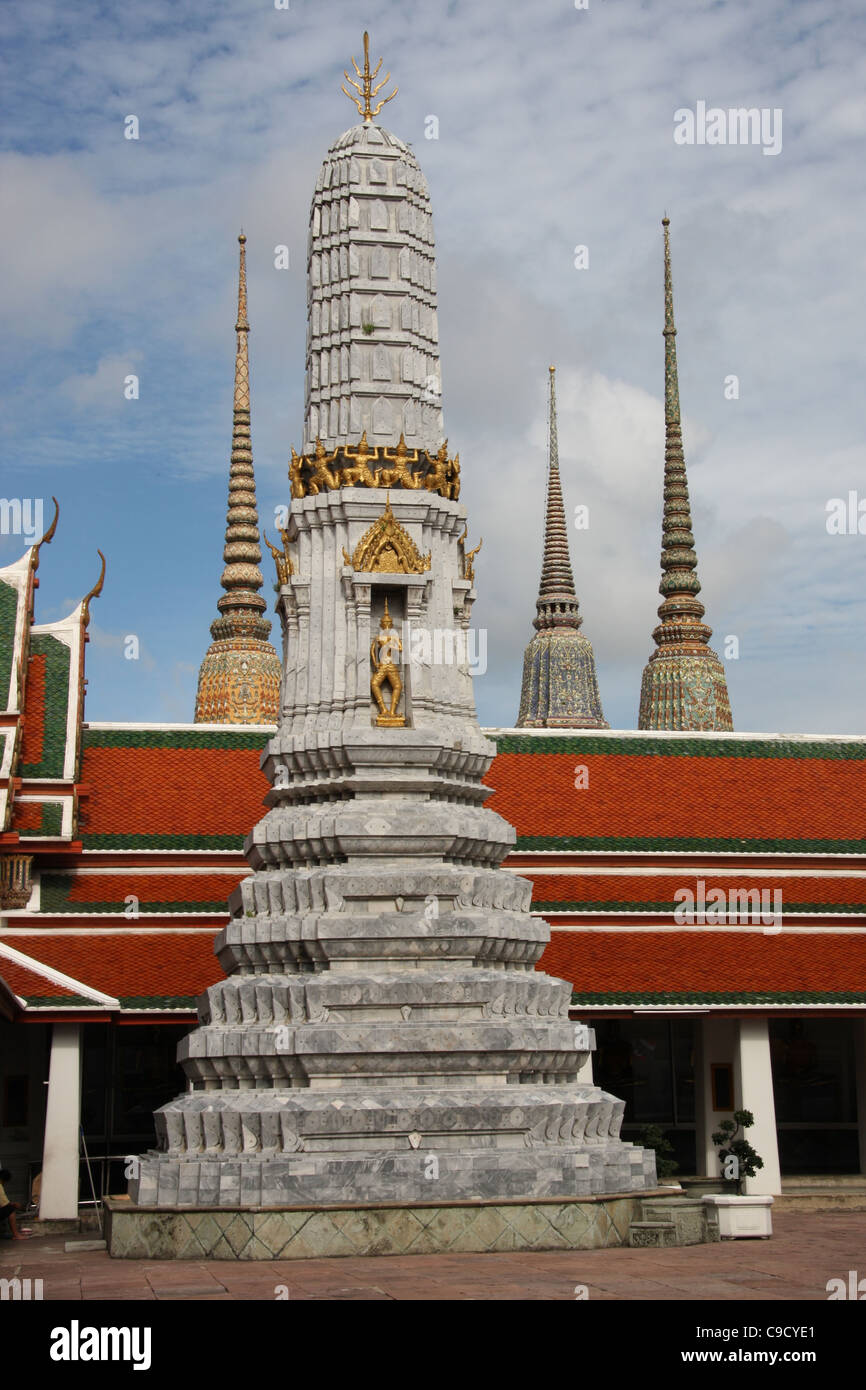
(239, 678)
(559, 688)
(704, 889)
(684, 684)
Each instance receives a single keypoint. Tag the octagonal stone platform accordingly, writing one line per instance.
(304, 1232)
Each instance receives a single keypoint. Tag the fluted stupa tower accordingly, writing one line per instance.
(382, 1035)
(239, 679)
(684, 684)
(560, 688)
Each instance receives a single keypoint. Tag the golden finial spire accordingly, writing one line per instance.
(242, 328)
(365, 87)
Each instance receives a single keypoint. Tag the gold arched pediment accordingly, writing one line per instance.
(387, 548)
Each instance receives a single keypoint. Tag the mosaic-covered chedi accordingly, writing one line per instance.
(239, 678)
(381, 1007)
(560, 688)
(684, 684)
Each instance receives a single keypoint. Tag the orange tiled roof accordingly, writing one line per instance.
(702, 966)
(183, 788)
(634, 892)
(162, 796)
(140, 968)
(28, 984)
(680, 798)
(156, 892)
(33, 738)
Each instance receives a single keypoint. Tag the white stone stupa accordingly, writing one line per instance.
(382, 1035)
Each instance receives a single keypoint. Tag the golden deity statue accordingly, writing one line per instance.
(383, 649)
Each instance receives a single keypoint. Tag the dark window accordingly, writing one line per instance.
(16, 1094)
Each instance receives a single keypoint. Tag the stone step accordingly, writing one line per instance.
(657, 1234)
(835, 1182)
(822, 1199)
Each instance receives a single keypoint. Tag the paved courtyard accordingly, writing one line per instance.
(805, 1252)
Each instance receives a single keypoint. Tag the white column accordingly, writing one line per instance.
(59, 1198)
(859, 1026)
(584, 1076)
(753, 1086)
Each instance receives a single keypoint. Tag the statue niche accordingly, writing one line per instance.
(386, 656)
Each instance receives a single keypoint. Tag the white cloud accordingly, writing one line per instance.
(555, 128)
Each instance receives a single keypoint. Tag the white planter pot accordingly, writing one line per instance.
(742, 1216)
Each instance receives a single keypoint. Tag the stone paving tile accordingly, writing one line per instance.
(806, 1250)
(166, 1290)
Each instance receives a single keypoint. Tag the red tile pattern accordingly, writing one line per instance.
(33, 737)
(702, 961)
(679, 797)
(173, 791)
(26, 983)
(26, 815)
(130, 964)
(834, 892)
(152, 888)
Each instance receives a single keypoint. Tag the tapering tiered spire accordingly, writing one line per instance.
(239, 678)
(560, 688)
(557, 602)
(684, 684)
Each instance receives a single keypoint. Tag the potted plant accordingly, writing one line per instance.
(737, 1157)
(739, 1214)
(653, 1137)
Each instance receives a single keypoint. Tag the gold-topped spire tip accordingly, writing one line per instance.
(365, 88)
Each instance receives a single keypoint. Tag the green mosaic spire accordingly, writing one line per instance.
(684, 684)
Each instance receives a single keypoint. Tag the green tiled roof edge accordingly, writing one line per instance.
(154, 1001)
(58, 657)
(672, 845)
(42, 1001)
(50, 821)
(174, 738)
(660, 745)
(8, 616)
(235, 842)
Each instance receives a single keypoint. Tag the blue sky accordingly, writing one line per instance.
(555, 129)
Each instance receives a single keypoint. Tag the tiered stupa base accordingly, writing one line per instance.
(404, 1045)
(382, 1038)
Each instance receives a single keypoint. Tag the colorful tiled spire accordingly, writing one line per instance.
(557, 602)
(239, 679)
(684, 684)
(560, 688)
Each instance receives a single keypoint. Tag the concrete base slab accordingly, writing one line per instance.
(301, 1233)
